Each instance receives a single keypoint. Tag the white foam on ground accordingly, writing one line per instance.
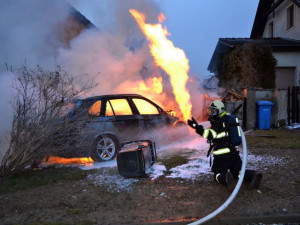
(294, 126)
(113, 183)
(197, 167)
(257, 161)
(156, 170)
(98, 165)
(191, 170)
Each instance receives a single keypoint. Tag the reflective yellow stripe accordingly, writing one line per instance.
(221, 151)
(221, 135)
(223, 113)
(213, 133)
(238, 127)
(205, 133)
(217, 177)
(239, 174)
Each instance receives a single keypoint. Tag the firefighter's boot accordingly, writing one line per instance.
(229, 182)
(256, 179)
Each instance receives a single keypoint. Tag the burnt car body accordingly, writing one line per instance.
(103, 123)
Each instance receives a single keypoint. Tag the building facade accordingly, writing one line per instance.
(281, 19)
(276, 24)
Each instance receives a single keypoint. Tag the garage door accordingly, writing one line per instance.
(285, 76)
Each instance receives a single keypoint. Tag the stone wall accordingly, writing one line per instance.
(279, 110)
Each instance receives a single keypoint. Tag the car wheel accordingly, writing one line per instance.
(106, 148)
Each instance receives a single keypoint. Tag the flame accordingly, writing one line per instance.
(152, 84)
(161, 18)
(53, 160)
(171, 59)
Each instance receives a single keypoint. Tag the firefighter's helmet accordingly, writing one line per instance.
(216, 108)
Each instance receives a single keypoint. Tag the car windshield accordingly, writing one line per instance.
(69, 108)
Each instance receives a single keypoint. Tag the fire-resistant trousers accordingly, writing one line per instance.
(233, 163)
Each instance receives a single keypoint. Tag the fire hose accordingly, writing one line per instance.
(235, 191)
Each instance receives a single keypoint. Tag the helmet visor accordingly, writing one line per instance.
(213, 111)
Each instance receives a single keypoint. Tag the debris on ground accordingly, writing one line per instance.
(231, 95)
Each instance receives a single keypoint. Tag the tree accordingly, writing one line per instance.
(249, 65)
(40, 100)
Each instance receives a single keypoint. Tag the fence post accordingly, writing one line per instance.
(244, 114)
(294, 104)
(297, 103)
(289, 106)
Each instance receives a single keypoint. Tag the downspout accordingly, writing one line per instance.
(235, 191)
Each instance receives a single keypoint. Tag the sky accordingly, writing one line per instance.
(195, 25)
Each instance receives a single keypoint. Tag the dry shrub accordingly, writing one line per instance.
(249, 65)
(41, 97)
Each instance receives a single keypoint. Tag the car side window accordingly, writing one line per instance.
(95, 109)
(120, 107)
(108, 110)
(144, 107)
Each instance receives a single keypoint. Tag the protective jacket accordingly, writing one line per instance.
(218, 134)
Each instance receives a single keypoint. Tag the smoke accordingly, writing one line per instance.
(116, 55)
(29, 31)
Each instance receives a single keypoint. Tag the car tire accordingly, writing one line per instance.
(105, 148)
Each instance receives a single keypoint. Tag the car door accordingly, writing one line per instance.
(122, 119)
(152, 115)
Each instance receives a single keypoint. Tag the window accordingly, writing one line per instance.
(118, 107)
(144, 107)
(271, 27)
(108, 110)
(66, 109)
(290, 16)
(95, 109)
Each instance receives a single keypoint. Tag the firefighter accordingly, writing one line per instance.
(227, 163)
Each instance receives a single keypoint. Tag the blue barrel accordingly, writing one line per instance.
(263, 114)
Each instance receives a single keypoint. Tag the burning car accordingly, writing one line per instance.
(101, 124)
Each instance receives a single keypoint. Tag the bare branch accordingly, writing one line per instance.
(40, 98)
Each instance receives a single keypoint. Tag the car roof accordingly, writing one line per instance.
(112, 96)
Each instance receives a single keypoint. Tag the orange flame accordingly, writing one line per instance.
(52, 160)
(171, 59)
(152, 84)
(161, 18)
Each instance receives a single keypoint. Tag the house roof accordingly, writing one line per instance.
(225, 45)
(265, 7)
(81, 18)
(277, 44)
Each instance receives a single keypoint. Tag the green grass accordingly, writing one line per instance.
(277, 138)
(77, 211)
(29, 178)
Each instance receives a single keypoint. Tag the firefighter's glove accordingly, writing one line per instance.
(193, 124)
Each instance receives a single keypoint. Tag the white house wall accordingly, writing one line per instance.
(289, 59)
(279, 19)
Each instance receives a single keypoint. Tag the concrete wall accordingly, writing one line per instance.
(279, 110)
